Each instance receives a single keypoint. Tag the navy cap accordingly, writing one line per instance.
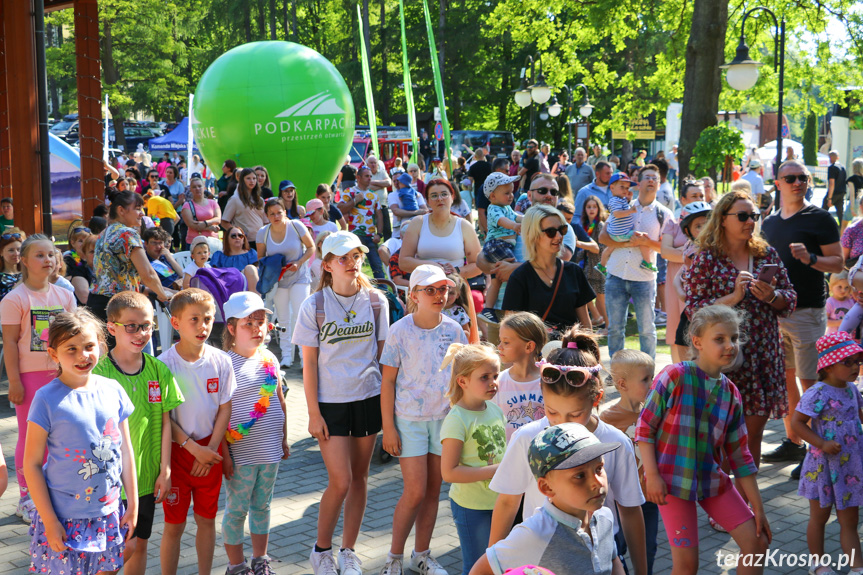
(285, 184)
(405, 179)
(621, 176)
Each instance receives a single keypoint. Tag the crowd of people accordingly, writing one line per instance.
(480, 367)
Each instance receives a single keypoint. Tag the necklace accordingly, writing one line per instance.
(350, 314)
(541, 273)
(131, 382)
(271, 380)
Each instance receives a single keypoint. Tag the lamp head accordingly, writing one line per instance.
(742, 72)
(522, 95)
(554, 108)
(586, 109)
(540, 92)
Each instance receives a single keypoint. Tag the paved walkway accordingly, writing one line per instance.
(302, 479)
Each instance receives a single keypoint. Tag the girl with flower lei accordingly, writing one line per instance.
(252, 461)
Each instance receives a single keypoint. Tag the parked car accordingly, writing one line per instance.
(134, 136)
(500, 144)
(66, 130)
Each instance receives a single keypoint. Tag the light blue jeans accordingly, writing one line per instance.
(618, 292)
(474, 529)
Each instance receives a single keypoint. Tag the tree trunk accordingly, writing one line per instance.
(54, 32)
(441, 36)
(273, 20)
(367, 38)
(385, 85)
(702, 82)
(247, 24)
(285, 28)
(109, 71)
(626, 154)
(506, 70)
(294, 32)
(262, 20)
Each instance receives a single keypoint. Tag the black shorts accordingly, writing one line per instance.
(146, 513)
(354, 419)
(682, 329)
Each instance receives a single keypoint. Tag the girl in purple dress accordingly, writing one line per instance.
(833, 469)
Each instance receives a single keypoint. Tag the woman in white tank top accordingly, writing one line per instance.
(440, 237)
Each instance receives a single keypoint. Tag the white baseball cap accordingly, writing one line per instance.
(243, 304)
(342, 242)
(496, 179)
(426, 275)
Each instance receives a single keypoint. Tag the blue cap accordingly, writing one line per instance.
(285, 184)
(621, 176)
(405, 179)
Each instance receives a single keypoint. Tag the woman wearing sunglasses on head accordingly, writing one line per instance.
(555, 290)
(737, 268)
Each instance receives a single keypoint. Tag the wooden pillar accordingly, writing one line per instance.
(23, 114)
(5, 162)
(90, 128)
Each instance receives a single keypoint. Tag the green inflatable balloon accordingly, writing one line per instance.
(276, 104)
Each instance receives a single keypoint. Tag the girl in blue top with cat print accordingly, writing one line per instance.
(79, 525)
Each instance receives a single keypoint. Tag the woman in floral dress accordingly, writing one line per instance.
(725, 271)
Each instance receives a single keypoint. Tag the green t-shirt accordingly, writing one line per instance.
(4, 223)
(153, 391)
(484, 436)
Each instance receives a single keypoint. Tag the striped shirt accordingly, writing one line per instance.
(691, 418)
(263, 444)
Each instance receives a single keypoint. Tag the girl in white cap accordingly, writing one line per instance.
(413, 407)
(252, 460)
(342, 328)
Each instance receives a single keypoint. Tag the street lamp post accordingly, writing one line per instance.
(537, 92)
(585, 109)
(742, 72)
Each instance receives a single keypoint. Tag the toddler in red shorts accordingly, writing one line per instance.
(205, 376)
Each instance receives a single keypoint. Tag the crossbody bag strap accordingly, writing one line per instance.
(554, 295)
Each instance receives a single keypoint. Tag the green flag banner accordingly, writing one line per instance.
(438, 86)
(409, 92)
(367, 80)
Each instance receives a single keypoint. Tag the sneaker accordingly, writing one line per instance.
(323, 563)
(646, 265)
(489, 316)
(287, 362)
(393, 566)
(19, 510)
(349, 563)
(659, 321)
(27, 510)
(787, 451)
(424, 564)
(261, 566)
(243, 569)
(795, 473)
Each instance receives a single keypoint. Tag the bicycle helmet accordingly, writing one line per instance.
(692, 211)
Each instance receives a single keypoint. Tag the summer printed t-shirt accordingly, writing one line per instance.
(347, 344)
(837, 309)
(498, 232)
(420, 386)
(361, 220)
(34, 312)
(484, 443)
(85, 459)
(153, 391)
(262, 444)
(520, 401)
(115, 271)
(206, 384)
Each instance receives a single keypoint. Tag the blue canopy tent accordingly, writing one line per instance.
(177, 140)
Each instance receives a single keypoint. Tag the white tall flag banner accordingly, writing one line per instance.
(106, 144)
(190, 143)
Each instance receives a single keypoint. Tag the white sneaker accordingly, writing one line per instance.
(287, 361)
(393, 566)
(27, 510)
(424, 564)
(323, 563)
(349, 563)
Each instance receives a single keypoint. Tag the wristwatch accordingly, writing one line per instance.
(813, 259)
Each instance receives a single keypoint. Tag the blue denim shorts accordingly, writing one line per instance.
(419, 437)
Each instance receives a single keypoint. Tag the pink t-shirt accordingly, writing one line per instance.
(34, 312)
(199, 214)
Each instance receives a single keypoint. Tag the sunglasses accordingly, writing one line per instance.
(546, 191)
(552, 232)
(851, 362)
(432, 291)
(345, 260)
(233, 236)
(135, 327)
(574, 376)
(76, 230)
(743, 216)
(11, 237)
(802, 178)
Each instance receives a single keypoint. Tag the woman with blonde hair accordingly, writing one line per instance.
(737, 268)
